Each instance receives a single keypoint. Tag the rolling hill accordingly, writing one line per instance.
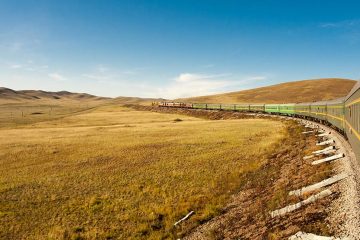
(289, 92)
(8, 95)
(11, 96)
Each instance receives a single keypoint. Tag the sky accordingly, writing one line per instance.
(174, 48)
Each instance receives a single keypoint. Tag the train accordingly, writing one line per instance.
(342, 114)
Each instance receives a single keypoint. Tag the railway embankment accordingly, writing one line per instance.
(249, 214)
(345, 210)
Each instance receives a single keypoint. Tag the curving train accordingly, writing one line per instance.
(343, 114)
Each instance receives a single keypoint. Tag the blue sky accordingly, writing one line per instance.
(174, 48)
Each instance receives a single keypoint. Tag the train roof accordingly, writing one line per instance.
(305, 103)
(333, 101)
(282, 104)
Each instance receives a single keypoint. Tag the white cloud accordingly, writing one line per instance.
(257, 78)
(134, 71)
(99, 77)
(129, 72)
(99, 73)
(15, 66)
(329, 25)
(199, 84)
(56, 76)
(28, 66)
(193, 77)
(208, 66)
(101, 68)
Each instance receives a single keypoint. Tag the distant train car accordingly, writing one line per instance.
(284, 109)
(318, 110)
(214, 106)
(302, 109)
(272, 108)
(187, 105)
(175, 104)
(199, 105)
(257, 107)
(335, 113)
(230, 107)
(242, 107)
(287, 109)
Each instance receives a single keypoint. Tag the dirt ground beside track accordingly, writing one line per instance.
(206, 114)
(247, 215)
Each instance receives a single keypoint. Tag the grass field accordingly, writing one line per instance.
(112, 172)
(18, 114)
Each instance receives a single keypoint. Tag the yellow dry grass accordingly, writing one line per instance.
(113, 172)
(23, 113)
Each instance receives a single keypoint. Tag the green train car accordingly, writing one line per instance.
(242, 107)
(272, 108)
(318, 110)
(214, 106)
(287, 109)
(257, 107)
(199, 105)
(335, 113)
(302, 109)
(284, 109)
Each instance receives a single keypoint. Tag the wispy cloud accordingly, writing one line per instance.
(129, 72)
(198, 84)
(196, 77)
(56, 76)
(99, 73)
(15, 66)
(16, 46)
(99, 77)
(102, 69)
(29, 65)
(256, 78)
(134, 71)
(208, 66)
(104, 73)
(341, 24)
(347, 30)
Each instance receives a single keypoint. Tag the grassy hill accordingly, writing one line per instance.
(31, 106)
(11, 96)
(290, 92)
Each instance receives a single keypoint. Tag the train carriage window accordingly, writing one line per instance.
(354, 114)
(350, 111)
(357, 114)
(357, 119)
